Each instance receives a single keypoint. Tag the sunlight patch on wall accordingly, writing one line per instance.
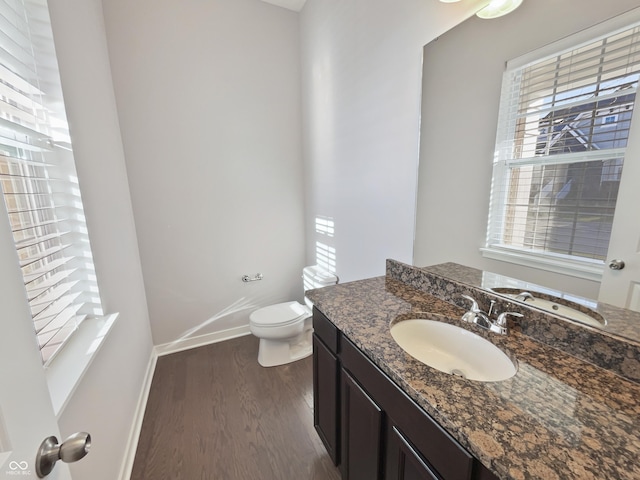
(325, 247)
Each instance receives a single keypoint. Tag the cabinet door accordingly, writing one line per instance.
(404, 462)
(444, 455)
(326, 376)
(361, 433)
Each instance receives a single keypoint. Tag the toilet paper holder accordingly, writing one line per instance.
(247, 278)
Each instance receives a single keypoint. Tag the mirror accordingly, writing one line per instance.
(606, 318)
(462, 79)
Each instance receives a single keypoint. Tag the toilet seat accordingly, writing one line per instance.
(279, 315)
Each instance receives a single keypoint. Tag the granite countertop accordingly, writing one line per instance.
(620, 322)
(559, 417)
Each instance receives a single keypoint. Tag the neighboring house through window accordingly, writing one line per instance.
(562, 133)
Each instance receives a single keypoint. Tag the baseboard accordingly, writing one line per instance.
(159, 350)
(136, 427)
(199, 341)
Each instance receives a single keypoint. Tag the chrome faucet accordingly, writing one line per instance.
(500, 325)
(473, 312)
(524, 296)
(483, 320)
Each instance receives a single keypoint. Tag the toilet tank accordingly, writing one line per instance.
(316, 277)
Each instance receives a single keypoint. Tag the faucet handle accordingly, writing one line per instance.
(474, 304)
(524, 296)
(502, 318)
(472, 315)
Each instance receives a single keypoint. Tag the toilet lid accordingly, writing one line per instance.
(279, 314)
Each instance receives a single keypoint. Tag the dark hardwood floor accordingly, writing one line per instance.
(215, 414)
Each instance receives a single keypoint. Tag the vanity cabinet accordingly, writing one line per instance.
(370, 427)
(405, 462)
(325, 397)
(361, 432)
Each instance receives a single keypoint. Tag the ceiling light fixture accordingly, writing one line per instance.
(498, 8)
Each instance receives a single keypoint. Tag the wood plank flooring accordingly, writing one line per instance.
(215, 414)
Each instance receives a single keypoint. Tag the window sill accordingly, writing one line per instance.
(69, 366)
(589, 270)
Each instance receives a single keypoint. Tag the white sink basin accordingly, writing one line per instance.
(453, 350)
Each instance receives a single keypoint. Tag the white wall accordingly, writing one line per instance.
(361, 78)
(105, 401)
(462, 79)
(208, 97)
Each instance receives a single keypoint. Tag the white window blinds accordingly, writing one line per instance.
(562, 134)
(38, 179)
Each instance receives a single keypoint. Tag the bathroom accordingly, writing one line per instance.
(286, 122)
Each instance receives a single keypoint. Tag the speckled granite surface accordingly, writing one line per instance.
(619, 321)
(557, 418)
(600, 346)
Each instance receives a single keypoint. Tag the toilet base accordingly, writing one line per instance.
(272, 353)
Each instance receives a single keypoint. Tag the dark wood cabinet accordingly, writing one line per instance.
(370, 426)
(444, 455)
(361, 435)
(403, 460)
(326, 373)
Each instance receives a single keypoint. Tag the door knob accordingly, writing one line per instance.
(616, 264)
(71, 450)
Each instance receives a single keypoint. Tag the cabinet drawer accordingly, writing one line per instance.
(434, 444)
(325, 330)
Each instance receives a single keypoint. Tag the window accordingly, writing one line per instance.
(38, 179)
(562, 134)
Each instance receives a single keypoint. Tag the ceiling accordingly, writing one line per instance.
(295, 5)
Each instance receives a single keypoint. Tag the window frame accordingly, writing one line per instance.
(581, 267)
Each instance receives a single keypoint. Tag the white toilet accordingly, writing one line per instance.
(285, 329)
